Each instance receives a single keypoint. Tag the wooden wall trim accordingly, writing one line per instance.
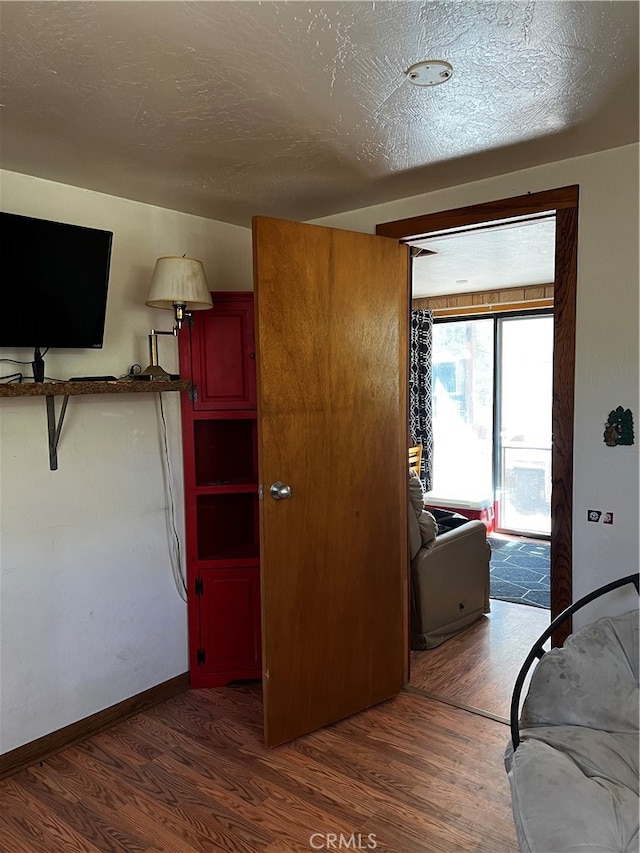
(564, 357)
(488, 301)
(419, 226)
(521, 307)
(38, 750)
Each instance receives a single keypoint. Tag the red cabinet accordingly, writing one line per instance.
(223, 354)
(229, 611)
(219, 422)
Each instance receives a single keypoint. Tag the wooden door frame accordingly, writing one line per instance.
(564, 203)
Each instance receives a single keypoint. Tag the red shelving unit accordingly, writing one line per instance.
(219, 430)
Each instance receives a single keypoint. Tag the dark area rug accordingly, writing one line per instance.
(520, 571)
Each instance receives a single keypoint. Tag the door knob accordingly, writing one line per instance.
(280, 492)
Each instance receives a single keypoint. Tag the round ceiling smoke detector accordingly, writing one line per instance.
(429, 73)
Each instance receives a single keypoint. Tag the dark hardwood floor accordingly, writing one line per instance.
(478, 667)
(412, 775)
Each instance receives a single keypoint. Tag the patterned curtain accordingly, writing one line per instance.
(420, 408)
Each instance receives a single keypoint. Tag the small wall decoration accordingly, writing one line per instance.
(619, 428)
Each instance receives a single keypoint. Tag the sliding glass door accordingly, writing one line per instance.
(492, 397)
(462, 389)
(523, 419)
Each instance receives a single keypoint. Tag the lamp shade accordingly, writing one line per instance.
(179, 280)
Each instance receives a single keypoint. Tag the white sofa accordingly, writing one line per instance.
(574, 771)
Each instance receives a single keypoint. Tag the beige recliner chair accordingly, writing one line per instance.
(449, 574)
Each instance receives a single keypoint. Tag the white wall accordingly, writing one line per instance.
(89, 611)
(606, 346)
(90, 615)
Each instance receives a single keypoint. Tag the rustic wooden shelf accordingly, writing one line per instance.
(72, 389)
(51, 390)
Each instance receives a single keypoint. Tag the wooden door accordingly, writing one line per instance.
(332, 313)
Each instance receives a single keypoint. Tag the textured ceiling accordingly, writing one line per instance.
(512, 255)
(229, 109)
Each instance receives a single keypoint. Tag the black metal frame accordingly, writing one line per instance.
(537, 651)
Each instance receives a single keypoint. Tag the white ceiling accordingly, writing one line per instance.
(511, 255)
(298, 110)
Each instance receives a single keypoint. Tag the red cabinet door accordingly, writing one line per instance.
(229, 604)
(223, 354)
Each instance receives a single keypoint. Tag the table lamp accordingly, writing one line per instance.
(177, 284)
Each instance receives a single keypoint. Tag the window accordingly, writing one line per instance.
(462, 383)
(492, 400)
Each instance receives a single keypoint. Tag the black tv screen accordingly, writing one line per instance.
(54, 283)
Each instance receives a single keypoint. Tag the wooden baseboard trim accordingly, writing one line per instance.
(38, 750)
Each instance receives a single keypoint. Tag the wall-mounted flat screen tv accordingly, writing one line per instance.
(54, 280)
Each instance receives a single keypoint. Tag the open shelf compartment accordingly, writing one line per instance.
(227, 526)
(225, 452)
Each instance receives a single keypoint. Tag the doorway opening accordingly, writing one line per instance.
(465, 682)
(490, 290)
(491, 402)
